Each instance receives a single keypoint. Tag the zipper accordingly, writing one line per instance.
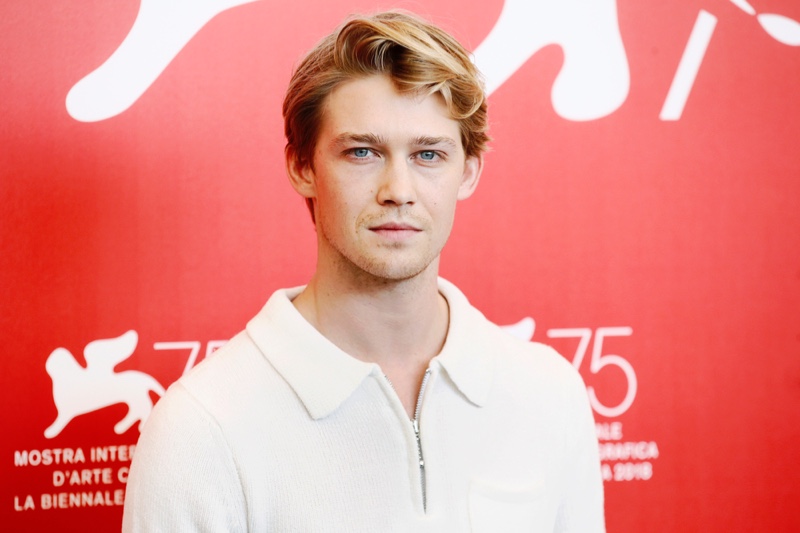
(415, 423)
(415, 426)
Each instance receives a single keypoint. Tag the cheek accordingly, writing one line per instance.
(329, 195)
(338, 208)
(444, 201)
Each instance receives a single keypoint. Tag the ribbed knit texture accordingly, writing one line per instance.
(282, 431)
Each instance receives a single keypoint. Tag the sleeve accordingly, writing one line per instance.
(581, 510)
(183, 476)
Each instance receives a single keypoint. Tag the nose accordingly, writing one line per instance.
(396, 184)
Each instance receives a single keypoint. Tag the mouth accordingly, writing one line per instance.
(395, 230)
(395, 226)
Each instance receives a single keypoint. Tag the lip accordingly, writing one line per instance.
(395, 231)
(395, 226)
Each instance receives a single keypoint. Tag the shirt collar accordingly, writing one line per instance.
(467, 355)
(323, 376)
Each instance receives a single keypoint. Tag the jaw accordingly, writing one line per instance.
(374, 261)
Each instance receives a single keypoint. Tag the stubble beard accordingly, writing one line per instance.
(378, 265)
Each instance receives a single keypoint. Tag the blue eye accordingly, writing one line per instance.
(361, 152)
(427, 155)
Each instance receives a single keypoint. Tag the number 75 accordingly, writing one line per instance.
(599, 361)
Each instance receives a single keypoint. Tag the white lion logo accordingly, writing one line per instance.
(78, 390)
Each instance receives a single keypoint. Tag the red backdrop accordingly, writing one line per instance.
(641, 204)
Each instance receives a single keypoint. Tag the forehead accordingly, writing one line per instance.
(373, 105)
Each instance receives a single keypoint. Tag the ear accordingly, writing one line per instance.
(473, 166)
(301, 176)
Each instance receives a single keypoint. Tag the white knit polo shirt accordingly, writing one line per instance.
(282, 431)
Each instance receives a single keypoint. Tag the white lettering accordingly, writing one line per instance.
(20, 458)
(122, 453)
(28, 505)
(48, 457)
(623, 451)
(606, 471)
(633, 471)
(86, 476)
(67, 500)
(34, 457)
(99, 454)
(606, 431)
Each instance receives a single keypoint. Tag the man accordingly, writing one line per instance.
(375, 398)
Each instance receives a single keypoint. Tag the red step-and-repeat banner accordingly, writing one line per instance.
(639, 210)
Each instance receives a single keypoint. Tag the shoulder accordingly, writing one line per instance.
(235, 375)
(531, 356)
(519, 367)
(236, 360)
(181, 441)
(210, 398)
(196, 402)
(533, 365)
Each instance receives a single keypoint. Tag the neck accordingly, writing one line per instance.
(398, 324)
(389, 322)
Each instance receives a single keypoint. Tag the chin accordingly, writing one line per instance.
(393, 271)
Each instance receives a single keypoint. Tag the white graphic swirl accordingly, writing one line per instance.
(594, 80)
(161, 29)
(783, 29)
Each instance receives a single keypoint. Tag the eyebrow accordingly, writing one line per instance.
(424, 140)
(359, 138)
(346, 138)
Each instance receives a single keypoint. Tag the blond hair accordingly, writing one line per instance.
(419, 57)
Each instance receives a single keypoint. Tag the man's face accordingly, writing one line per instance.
(388, 170)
